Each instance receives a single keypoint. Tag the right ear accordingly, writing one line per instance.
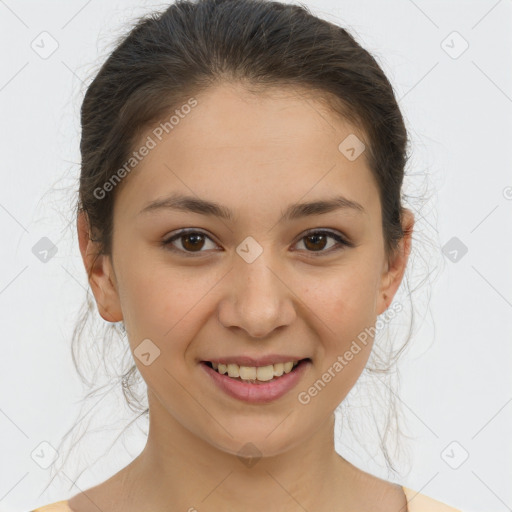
(99, 271)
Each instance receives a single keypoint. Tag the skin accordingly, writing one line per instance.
(255, 154)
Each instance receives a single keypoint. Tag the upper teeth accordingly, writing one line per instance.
(255, 372)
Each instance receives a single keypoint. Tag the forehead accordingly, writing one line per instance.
(240, 147)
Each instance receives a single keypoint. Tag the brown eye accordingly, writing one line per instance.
(317, 241)
(193, 241)
(189, 242)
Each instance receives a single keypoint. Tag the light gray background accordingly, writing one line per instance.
(456, 379)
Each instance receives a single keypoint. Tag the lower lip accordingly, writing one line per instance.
(258, 393)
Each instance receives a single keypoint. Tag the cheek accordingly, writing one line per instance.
(344, 300)
(345, 307)
(149, 289)
(166, 304)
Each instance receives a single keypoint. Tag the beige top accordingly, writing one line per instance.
(415, 503)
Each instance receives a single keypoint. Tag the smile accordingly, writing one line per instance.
(254, 373)
(256, 384)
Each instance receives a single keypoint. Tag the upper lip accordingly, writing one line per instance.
(254, 361)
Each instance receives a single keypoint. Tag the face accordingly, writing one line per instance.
(266, 282)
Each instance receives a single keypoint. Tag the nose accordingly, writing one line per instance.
(258, 300)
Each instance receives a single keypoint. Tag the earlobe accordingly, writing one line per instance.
(100, 272)
(395, 268)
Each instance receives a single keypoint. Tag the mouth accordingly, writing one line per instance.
(255, 384)
(256, 374)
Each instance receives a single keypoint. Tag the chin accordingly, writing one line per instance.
(253, 441)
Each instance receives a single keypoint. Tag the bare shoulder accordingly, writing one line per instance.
(58, 506)
(104, 496)
(382, 495)
(116, 494)
(385, 496)
(377, 494)
(418, 502)
(101, 497)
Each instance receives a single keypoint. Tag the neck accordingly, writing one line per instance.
(179, 470)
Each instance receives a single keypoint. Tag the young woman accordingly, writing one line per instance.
(240, 213)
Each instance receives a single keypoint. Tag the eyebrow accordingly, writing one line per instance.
(294, 211)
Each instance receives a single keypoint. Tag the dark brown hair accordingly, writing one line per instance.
(170, 56)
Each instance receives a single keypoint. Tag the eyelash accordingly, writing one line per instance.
(342, 242)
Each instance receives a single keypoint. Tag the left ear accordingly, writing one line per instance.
(395, 266)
